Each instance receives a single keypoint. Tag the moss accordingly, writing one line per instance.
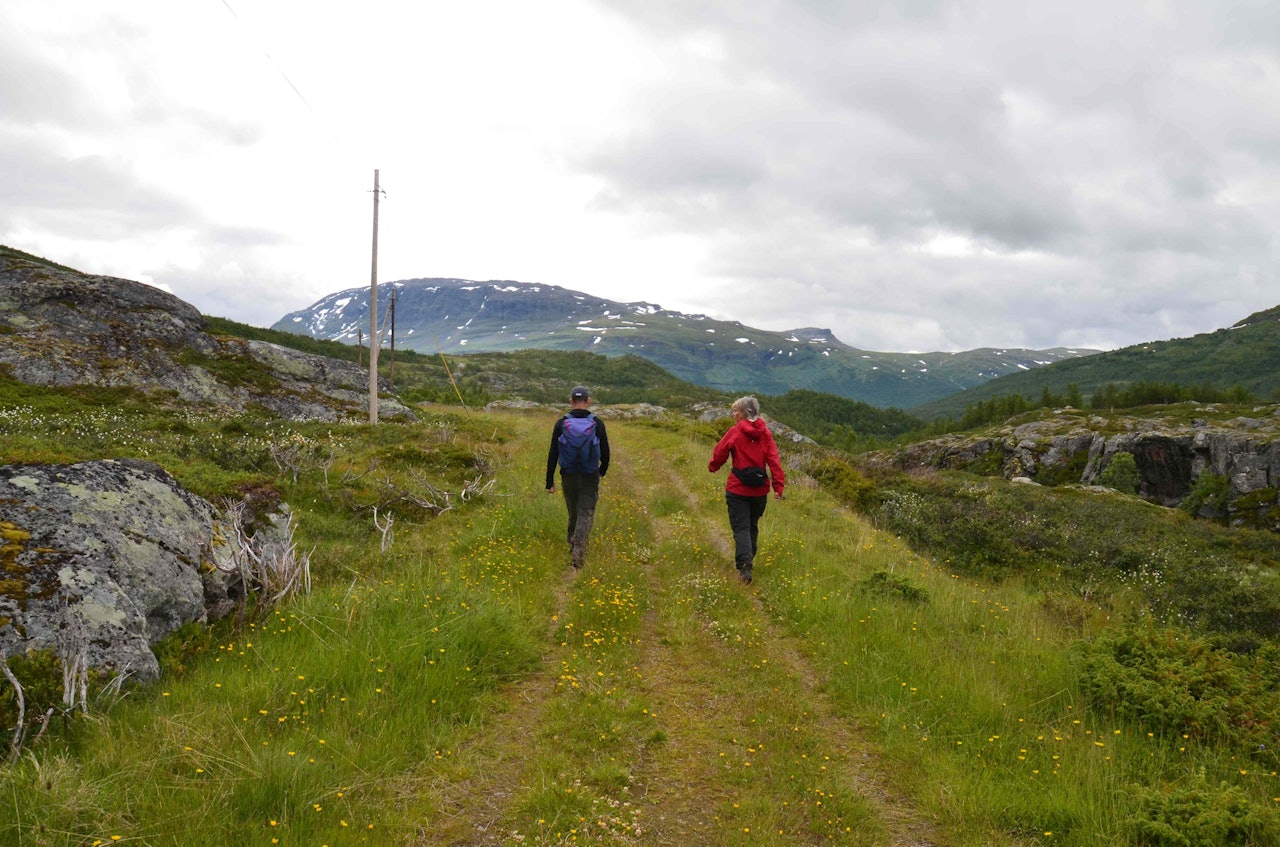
(13, 576)
(990, 463)
(1066, 473)
(12, 533)
(235, 371)
(1259, 499)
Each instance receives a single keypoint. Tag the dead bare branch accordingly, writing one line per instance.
(15, 744)
(72, 644)
(477, 487)
(385, 528)
(349, 475)
(271, 566)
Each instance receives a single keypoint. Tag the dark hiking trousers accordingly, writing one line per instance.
(581, 491)
(744, 521)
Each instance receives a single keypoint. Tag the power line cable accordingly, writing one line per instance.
(327, 129)
(273, 62)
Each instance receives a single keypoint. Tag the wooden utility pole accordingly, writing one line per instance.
(374, 339)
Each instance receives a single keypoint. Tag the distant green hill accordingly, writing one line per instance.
(541, 376)
(1247, 355)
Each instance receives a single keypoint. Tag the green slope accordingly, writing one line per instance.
(1247, 355)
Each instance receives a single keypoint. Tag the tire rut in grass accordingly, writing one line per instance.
(687, 774)
(853, 761)
(488, 770)
(473, 796)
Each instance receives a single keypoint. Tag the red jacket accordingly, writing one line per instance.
(752, 446)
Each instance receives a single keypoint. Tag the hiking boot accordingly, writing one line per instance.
(576, 555)
(745, 570)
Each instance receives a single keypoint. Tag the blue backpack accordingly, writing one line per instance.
(579, 445)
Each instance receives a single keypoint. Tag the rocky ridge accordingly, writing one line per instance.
(1172, 455)
(63, 328)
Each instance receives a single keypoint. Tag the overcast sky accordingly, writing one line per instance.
(914, 175)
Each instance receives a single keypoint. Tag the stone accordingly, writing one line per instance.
(116, 551)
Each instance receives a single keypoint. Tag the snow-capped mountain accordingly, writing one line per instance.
(463, 316)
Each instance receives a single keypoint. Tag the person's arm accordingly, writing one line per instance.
(553, 454)
(604, 447)
(720, 454)
(774, 461)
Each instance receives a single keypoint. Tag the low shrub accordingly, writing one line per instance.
(1172, 682)
(842, 481)
(1200, 815)
(1099, 546)
(1121, 473)
(885, 584)
(1208, 496)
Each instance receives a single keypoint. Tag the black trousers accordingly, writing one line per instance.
(581, 492)
(744, 521)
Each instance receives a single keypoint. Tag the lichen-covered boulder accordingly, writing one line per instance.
(114, 555)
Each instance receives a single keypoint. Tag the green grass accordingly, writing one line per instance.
(859, 692)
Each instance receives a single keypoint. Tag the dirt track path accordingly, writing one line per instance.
(712, 724)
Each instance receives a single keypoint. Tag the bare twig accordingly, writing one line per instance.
(273, 567)
(350, 476)
(15, 745)
(476, 487)
(427, 497)
(385, 528)
(72, 642)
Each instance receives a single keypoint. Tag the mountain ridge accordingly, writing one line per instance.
(460, 316)
(1246, 354)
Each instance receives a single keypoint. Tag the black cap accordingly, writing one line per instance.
(579, 392)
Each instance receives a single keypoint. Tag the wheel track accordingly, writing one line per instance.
(859, 765)
(677, 784)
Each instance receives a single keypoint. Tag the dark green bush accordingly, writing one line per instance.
(1257, 509)
(885, 584)
(182, 646)
(40, 674)
(1066, 473)
(1175, 683)
(841, 480)
(1208, 497)
(1200, 815)
(1121, 473)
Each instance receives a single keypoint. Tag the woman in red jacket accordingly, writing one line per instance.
(755, 469)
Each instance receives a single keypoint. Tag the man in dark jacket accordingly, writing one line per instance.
(580, 446)
(755, 469)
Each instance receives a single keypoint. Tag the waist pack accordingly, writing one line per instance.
(752, 477)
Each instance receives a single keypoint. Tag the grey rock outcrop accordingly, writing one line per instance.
(1170, 457)
(61, 328)
(108, 555)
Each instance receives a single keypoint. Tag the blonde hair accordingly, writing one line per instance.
(748, 407)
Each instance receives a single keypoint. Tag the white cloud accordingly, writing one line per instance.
(912, 176)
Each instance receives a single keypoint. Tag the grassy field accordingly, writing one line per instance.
(453, 681)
